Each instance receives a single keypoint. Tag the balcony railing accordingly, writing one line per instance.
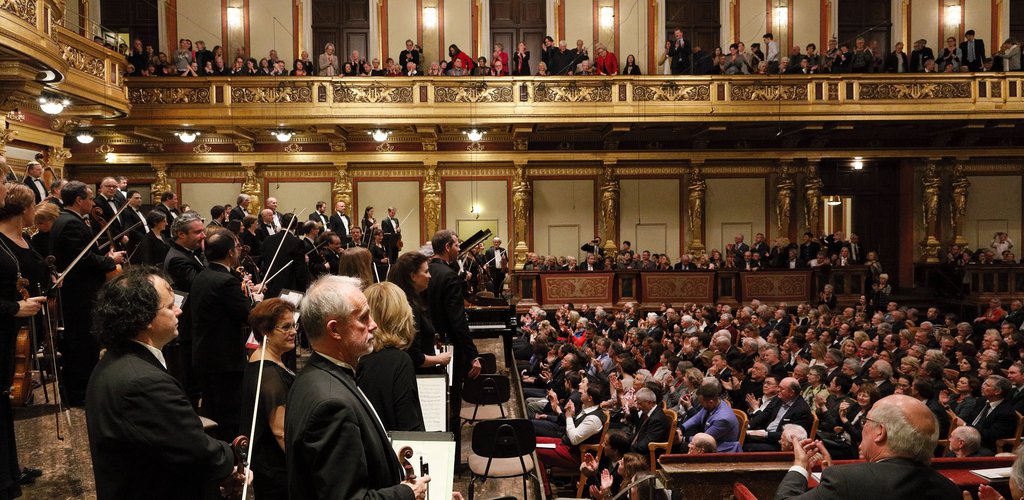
(845, 97)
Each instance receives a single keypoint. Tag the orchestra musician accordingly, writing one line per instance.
(250, 237)
(145, 439)
(17, 260)
(152, 250)
(169, 207)
(497, 265)
(34, 180)
(367, 225)
(241, 208)
(380, 256)
(106, 201)
(185, 259)
(70, 235)
(46, 215)
(392, 234)
(357, 263)
(330, 249)
(320, 215)
(356, 240)
(310, 234)
(293, 277)
(340, 223)
(335, 445)
(411, 273)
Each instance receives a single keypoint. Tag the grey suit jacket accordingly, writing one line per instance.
(896, 478)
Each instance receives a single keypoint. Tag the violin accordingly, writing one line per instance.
(96, 215)
(21, 386)
(233, 485)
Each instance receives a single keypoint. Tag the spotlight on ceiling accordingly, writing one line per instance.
(53, 105)
(380, 135)
(84, 137)
(187, 136)
(283, 135)
(474, 135)
(858, 163)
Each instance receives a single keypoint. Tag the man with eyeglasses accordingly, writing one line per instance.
(897, 443)
(219, 310)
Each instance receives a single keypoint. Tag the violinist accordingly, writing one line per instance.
(330, 249)
(357, 239)
(219, 308)
(184, 261)
(17, 260)
(367, 225)
(145, 439)
(46, 215)
(106, 201)
(132, 216)
(497, 265)
(55, 188)
(34, 180)
(169, 207)
(296, 275)
(411, 273)
(380, 256)
(249, 236)
(152, 250)
(309, 233)
(392, 234)
(71, 234)
(357, 263)
(273, 319)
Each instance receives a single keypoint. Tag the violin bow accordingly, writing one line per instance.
(95, 238)
(255, 410)
(120, 235)
(281, 243)
(285, 266)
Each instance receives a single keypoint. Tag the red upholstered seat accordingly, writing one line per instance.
(742, 493)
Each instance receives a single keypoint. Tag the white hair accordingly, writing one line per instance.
(327, 298)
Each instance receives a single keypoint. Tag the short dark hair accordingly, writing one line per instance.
(401, 273)
(286, 221)
(126, 305)
(619, 441)
(132, 193)
(769, 36)
(216, 211)
(219, 243)
(72, 191)
(263, 317)
(154, 217)
(167, 195)
(248, 221)
(969, 33)
(441, 239)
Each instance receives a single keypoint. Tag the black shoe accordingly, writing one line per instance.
(32, 472)
(26, 478)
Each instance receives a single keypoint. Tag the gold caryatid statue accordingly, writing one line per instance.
(930, 213)
(609, 205)
(160, 185)
(784, 201)
(958, 208)
(522, 201)
(812, 196)
(251, 186)
(341, 189)
(431, 201)
(697, 188)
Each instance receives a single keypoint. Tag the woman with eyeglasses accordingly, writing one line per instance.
(273, 319)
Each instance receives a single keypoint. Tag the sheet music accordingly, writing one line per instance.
(437, 450)
(291, 296)
(996, 474)
(433, 392)
(179, 298)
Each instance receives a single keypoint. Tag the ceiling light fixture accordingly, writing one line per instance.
(53, 105)
(283, 135)
(84, 137)
(474, 135)
(833, 201)
(380, 135)
(858, 163)
(187, 136)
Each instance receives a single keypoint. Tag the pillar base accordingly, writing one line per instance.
(960, 241)
(610, 248)
(520, 256)
(696, 247)
(930, 250)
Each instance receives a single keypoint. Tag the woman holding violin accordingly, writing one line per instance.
(21, 269)
(367, 225)
(380, 256)
(412, 274)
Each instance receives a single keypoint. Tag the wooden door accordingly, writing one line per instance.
(871, 19)
(514, 21)
(700, 21)
(345, 23)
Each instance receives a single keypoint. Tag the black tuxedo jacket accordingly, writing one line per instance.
(296, 276)
(145, 439)
(799, 414)
(652, 428)
(893, 478)
(67, 238)
(809, 251)
(328, 423)
(34, 186)
(219, 311)
(237, 213)
(182, 266)
(448, 312)
(341, 228)
(979, 54)
(1000, 423)
(108, 213)
(128, 219)
(688, 267)
(321, 218)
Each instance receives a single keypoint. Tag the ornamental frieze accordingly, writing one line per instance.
(572, 92)
(88, 64)
(375, 93)
(25, 9)
(472, 93)
(267, 95)
(769, 92)
(168, 95)
(906, 91)
(671, 92)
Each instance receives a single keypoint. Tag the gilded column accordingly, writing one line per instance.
(522, 206)
(161, 184)
(431, 201)
(930, 213)
(57, 156)
(6, 137)
(609, 208)
(341, 190)
(251, 186)
(958, 208)
(784, 199)
(812, 198)
(697, 189)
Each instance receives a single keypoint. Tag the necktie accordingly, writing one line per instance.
(981, 416)
(970, 51)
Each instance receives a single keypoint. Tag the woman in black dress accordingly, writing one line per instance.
(380, 256)
(275, 320)
(367, 226)
(387, 376)
(153, 248)
(411, 273)
(17, 261)
(631, 68)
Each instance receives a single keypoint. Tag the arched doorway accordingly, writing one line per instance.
(701, 21)
(514, 21)
(871, 19)
(345, 23)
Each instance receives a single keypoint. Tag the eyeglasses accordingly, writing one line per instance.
(287, 327)
(869, 419)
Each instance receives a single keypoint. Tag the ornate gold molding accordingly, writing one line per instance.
(252, 187)
(277, 94)
(375, 93)
(472, 93)
(24, 9)
(915, 91)
(671, 92)
(769, 92)
(431, 201)
(80, 60)
(572, 92)
(169, 95)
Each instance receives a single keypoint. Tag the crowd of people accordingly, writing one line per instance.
(678, 57)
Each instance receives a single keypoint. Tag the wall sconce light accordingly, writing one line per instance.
(474, 135)
(84, 137)
(187, 136)
(53, 105)
(953, 15)
(430, 17)
(858, 163)
(235, 17)
(380, 135)
(781, 15)
(833, 201)
(283, 135)
(606, 15)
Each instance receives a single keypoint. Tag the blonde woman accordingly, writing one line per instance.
(387, 376)
(328, 62)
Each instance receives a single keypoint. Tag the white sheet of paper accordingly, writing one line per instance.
(450, 366)
(437, 450)
(549, 446)
(433, 392)
(179, 298)
(291, 296)
(996, 474)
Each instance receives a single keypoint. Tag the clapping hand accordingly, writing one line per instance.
(985, 492)
(751, 402)
(589, 464)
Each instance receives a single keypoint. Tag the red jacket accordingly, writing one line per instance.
(607, 65)
(467, 62)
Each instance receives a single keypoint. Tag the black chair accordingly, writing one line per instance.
(502, 448)
(488, 362)
(487, 393)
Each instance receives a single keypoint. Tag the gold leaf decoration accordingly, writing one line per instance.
(293, 148)
(472, 93)
(768, 92)
(573, 92)
(385, 147)
(671, 92)
(266, 95)
(169, 95)
(915, 91)
(374, 93)
(77, 59)
(202, 149)
(25, 9)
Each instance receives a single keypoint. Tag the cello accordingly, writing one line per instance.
(21, 385)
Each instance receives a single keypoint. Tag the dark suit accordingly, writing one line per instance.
(146, 441)
(341, 227)
(389, 227)
(36, 185)
(493, 259)
(219, 310)
(979, 54)
(169, 214)
(237, 213)
(653, 427)
(681, 56)
(809, 251)
(799, 414)
(182, 266)
(78, 348)
(327, 424)
(918, 58)
(388, 379)
(893, 478)
(1000, 423)
(296, 276)
(321, 218)
(108, 214)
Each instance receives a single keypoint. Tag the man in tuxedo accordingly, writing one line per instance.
(107, 201)
(266, 227)
(70, 234)
(55, 188)
(143, 432)
(765, 428)
(241, 208)
(897, 443)
(133, 215)
(218, 216)
(183, 262)
(714, 418)
(34, 180)
(340, 223)
(494, 256)
(169, 207)
(219, 311)
(296, 275)
(973, 50)
(122, 188)
(319, 215)
(309, 233)
(272, 206)
(448, 311)
(392, 234)
(680, 54)
(650, 421)
(996, 418)
(329, 421)
(332, 253)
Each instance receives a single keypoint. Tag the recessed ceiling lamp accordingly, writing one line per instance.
(283, 135)
(84, 137)
(380, 135)
(187, 136)
(833, 201)
(474, 135)
(53, 105)
(858, 163)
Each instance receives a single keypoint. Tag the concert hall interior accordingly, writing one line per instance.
(555, 248)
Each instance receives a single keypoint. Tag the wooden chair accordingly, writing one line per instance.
(1001, 444)
(741, 417)
(943, 444)
(814, 426)
(666, 446)
(741, 492)
(594, 449)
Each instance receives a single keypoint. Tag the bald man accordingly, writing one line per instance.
(898, 441)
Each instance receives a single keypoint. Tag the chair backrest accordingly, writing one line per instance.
(504, 438)
(814, 426)
(741, 418)
(487, 389)
(954, 421)
(488, 362)
(673, 419)
(1020, 427)
(741, 492)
